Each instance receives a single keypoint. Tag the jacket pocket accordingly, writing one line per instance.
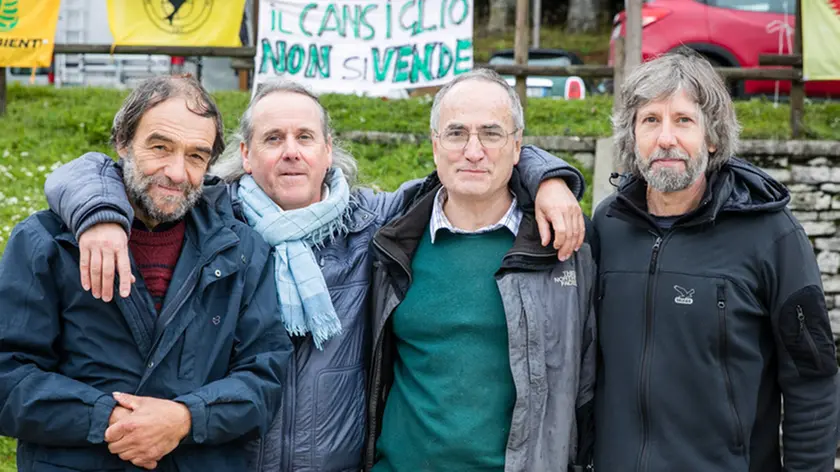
(339, 419)
(806, 333)
(724, 365)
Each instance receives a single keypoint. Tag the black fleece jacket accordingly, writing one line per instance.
(705, 327)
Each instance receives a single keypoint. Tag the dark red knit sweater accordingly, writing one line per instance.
(156, 253)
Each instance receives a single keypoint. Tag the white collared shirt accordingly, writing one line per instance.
(510, 220)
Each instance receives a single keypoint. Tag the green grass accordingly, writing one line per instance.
(7, 455)
(45, 127)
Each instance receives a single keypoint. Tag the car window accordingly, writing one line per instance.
(760, 6)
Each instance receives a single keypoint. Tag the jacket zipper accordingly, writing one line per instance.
(643, 391)
(289, 414)
(180, 298)
(724, 359)
(803, 329)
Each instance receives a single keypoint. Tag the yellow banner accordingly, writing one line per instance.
(821, 39)
(176, 22)
(27, 32)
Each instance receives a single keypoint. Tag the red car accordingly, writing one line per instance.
(730, 33)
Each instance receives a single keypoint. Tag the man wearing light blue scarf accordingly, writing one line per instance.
(295, 186)
(305, 303)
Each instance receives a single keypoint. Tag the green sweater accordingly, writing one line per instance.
(451, 402)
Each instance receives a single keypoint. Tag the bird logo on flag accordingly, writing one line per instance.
(178, 16)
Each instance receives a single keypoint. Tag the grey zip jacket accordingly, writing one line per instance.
(551, 331)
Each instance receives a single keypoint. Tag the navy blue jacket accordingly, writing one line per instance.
(217, 346)
(321, 424)
(705, 327)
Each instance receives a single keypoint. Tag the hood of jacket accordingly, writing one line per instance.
(738, 187)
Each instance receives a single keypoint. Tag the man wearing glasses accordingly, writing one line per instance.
(484, 343)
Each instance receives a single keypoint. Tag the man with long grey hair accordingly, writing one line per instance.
(294, 185)
(712, 309)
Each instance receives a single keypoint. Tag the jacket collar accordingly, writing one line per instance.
(400, 238)
(630, 203)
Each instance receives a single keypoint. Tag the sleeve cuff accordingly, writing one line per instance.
(572, 177)
(103, 216)
(99, 417)
(198, 420)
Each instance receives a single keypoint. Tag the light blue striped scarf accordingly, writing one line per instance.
(305, 304)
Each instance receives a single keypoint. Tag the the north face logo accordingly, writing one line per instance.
(684, 297)
(568, 279)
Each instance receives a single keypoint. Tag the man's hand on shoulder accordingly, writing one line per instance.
(102, 248)
(153, 429)
(557, 207)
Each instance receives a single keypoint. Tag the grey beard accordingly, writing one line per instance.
(137, 188)
(667, 179)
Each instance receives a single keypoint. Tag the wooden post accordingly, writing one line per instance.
(520, 48)
(797, 86)
(618, 69)
(632, 35)
(2, 91)
(256, 22)
(243, 80)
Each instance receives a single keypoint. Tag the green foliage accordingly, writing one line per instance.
(7, 455)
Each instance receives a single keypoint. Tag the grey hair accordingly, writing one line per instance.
(485, 75)
(230, 167)
(156, 90)
(660, 79)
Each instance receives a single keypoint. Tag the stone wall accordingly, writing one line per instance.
(810, 170)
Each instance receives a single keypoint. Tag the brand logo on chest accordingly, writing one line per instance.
(685, 295)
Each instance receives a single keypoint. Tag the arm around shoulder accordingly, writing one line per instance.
(89, 190)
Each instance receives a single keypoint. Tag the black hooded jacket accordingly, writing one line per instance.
(704, 327)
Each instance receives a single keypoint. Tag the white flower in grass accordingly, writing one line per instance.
(12, 201)
(42, 168)
(6, 153)
(28, 173)
(24, 154)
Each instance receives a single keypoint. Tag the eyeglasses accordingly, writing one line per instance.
(491, 138)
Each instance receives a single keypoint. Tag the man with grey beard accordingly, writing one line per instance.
(711, 307)
(199, 366)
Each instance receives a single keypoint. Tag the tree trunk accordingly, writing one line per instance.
(500, 16)
(583, 16)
